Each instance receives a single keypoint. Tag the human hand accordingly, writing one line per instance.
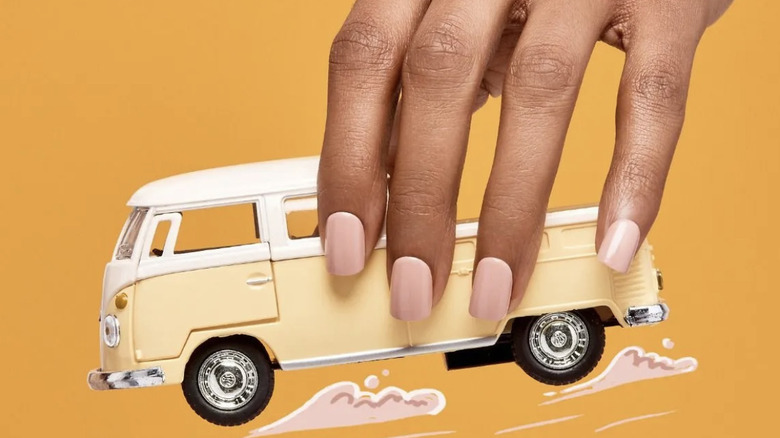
(447, 57)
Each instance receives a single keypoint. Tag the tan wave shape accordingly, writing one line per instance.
(630, 365)
(344, 404)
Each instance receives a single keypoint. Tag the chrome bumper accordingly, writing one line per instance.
(100, 380)
(644, 315)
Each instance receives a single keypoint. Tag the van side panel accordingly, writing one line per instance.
(325, 315)
(317, 315)
(567, 275)
(167, 308)
(450, 318)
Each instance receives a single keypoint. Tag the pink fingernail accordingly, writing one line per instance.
(619, 245)
(411, 289)
(345, 252)
(492, 289)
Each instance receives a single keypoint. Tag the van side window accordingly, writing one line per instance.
(158, 241)
(301, 216)
(217, 227)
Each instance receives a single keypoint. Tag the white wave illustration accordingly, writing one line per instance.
(630, 365)
(344, 404)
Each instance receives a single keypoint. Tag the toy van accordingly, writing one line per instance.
(221, 317)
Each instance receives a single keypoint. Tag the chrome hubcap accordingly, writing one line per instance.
(227, 379)
(559, 340)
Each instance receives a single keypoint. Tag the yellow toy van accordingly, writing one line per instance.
(220, 319)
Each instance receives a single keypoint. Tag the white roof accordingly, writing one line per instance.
(230, 182)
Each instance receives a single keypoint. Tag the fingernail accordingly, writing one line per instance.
(492, 289)
(345, 252)
(411, 289)
(619, 245)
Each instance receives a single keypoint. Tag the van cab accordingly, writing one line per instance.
(198, 306)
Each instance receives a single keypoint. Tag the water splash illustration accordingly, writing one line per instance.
(667, 343)
(371, 382)
(344, 404)
(630, 365)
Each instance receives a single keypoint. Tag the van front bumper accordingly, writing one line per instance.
(101, 380)
(644, 315)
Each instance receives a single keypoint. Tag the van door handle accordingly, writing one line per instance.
(258, 281)
(463, 271)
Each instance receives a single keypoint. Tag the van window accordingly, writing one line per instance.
(158, 241)
(126, 244)
(301, 216)
(217, 227)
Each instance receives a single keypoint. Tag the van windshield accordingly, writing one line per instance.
(127, 243)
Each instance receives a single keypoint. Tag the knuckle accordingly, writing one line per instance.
(355, 152)
(444, 50)
(517, 199)
(640, 176)
(510, 228)
(420, 196)
(354, 167)
(508, 211)
(542, 68)
(362, 45)
(659, 85)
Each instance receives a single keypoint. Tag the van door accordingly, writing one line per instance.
(326, 319)
(201, 269)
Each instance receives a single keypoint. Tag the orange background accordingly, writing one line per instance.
(99, 97)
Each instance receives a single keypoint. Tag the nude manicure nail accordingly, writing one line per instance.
(411, 289)
(619, 245)
(492, 289)
(345, 252)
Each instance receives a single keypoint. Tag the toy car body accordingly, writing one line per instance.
(219, 321)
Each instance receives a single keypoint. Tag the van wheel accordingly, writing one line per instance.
(228, 381)
(558, 348)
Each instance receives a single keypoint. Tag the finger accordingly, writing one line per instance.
(365, 63)
(540, 90)
(393, 144)
(493, 81)
(650, 112)
(440, 81)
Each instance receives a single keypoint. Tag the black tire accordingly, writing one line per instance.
(551, 370)
(228, 357)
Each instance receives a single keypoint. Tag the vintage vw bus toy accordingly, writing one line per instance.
(221, 317)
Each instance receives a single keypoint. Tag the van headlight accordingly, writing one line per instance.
(111, 331)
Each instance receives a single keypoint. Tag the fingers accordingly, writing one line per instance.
(650, 112)
(365, 63)
(539, 94)
(441, 81)
(493, 82)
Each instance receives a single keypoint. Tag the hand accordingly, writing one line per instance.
(447, 56)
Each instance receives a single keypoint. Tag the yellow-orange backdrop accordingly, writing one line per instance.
(99, 97)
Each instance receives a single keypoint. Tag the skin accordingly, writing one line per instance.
(446, 57)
